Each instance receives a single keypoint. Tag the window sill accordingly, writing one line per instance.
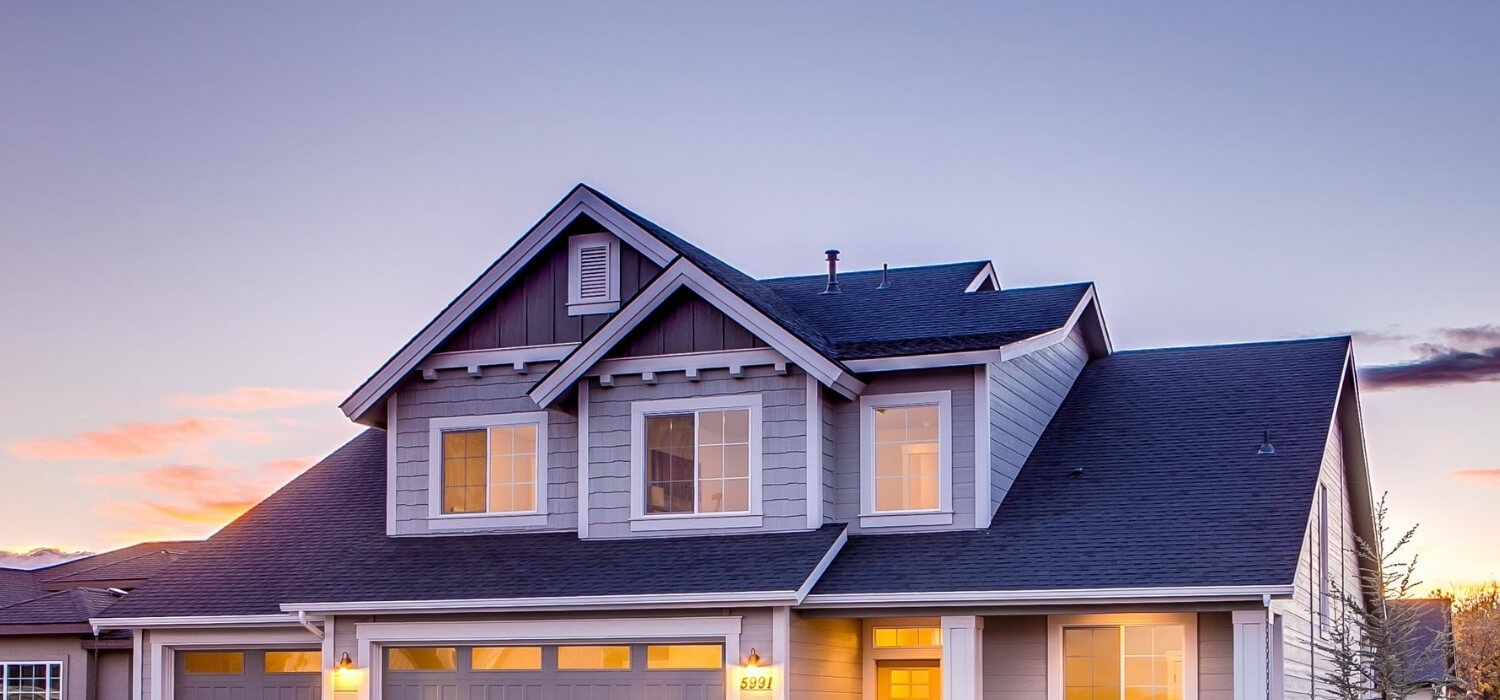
(598, 307)
(905, 519)
(693, 522)
(488, 520)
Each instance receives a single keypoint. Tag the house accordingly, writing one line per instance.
(618, 467)
(1428, 652)
(48, 650)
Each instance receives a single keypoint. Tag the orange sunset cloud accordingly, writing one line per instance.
(247, 399)
(126, 440)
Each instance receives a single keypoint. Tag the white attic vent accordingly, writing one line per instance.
(593, 274)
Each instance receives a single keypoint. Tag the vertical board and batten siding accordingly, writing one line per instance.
(846, 433)
(1015, 658)
(783, 444)
(1025, 393)
(500, 390)
(830, 454)
(826, 662)
(1304, 663)
(1215, 656)
(685, 323)
(532, 308)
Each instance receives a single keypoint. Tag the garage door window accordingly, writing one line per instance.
(31, 681)
(294, 661)
(593, 658)
(505, 658)
(220, 662)
(684, 656)
(423, 659)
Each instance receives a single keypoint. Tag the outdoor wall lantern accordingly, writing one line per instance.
(755, 677)
(346, 676)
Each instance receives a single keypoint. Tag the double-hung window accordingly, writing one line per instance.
(906, 459)
(488, 466)
(31, 681)
(696, 458)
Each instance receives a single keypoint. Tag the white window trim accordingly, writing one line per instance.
(639, 410)
(1056, 623)
(611, 303)
(62, 674)
(437, 519)
(943, 514)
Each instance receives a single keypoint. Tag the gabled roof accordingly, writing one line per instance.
(72, 606)
(1172, 492)
(294, 548)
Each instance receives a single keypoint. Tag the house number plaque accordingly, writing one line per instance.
(755, 682)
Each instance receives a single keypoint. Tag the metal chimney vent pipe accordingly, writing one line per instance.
(833, 272)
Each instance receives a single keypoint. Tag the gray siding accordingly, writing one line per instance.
(830, 452)
(455, 393)
(113, 677)
(1304, 662)
(1015, 658)
(825, 659)
(783, 443)
(1025, 393)
(1215, 656)
(685, 323)
(846, 434)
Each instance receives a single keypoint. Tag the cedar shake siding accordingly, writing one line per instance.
(532, 309)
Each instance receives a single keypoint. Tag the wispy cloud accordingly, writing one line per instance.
(1480, 477)
(1447, 356)
(36, 558)
(247, 399)
(130, 440)
(182, 498)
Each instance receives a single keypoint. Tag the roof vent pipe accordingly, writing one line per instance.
(833, 272)
(1266, 448)
(885, 276)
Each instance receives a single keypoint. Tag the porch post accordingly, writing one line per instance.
(1251, 650)
(963, 652)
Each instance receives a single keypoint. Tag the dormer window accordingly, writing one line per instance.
(906, 459)
(593, 274)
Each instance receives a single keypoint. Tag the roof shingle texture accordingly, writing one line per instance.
(321, 538)
(1172, 491)
(62, 607)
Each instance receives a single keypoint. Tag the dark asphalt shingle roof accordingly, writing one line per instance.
(17, 585)
(136, 562)
(322, 538)
(75, 605)
(1172, 493)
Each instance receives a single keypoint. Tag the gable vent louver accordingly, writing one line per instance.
(593, 273)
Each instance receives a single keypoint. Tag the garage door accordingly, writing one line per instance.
(574, 672)
(248, 674)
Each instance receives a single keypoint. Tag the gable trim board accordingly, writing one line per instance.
(1059, 596)
(986, 274)
(679, 275)
(516, 358)
(580, 202)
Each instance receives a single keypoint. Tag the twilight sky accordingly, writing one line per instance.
(216, 220)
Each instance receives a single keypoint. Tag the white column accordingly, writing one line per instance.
(963, 657)
(1250, 653)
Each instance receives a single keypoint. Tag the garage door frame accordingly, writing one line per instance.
(163, 645)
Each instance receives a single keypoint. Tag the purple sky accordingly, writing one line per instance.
(199, 198)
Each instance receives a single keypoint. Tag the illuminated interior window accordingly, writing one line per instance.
(593, 658)
(906, 458)
(490, 470)
(684, 656)
(505, 658)
(899, 637)
(908, 681)
(422, 659)
(698, 462)
(213, 661)
(1140, 662)
(294, 662)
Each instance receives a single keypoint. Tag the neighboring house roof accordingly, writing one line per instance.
(134, 563)
(298, 547)
(1172, 492)
(1428, 653)
(76, 605)
(17, 585)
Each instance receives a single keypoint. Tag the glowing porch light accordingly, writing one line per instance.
(346, 676)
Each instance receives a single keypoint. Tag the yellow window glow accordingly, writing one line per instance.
(592, 658)
(213, 661)
(422, 659)
(684, 656)
(505, 658)
(905, 637)
(294, 662)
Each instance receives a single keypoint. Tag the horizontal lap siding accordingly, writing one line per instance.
(846, 433)
(1025, 393)
(825, 659)
(1215, 656)
(1015, 658)
(1305, 664)
(783, 443)
(500, 390)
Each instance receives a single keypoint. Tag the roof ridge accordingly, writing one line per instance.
(1238, 344)
(872, 270)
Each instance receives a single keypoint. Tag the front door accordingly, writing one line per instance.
(908, 680)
